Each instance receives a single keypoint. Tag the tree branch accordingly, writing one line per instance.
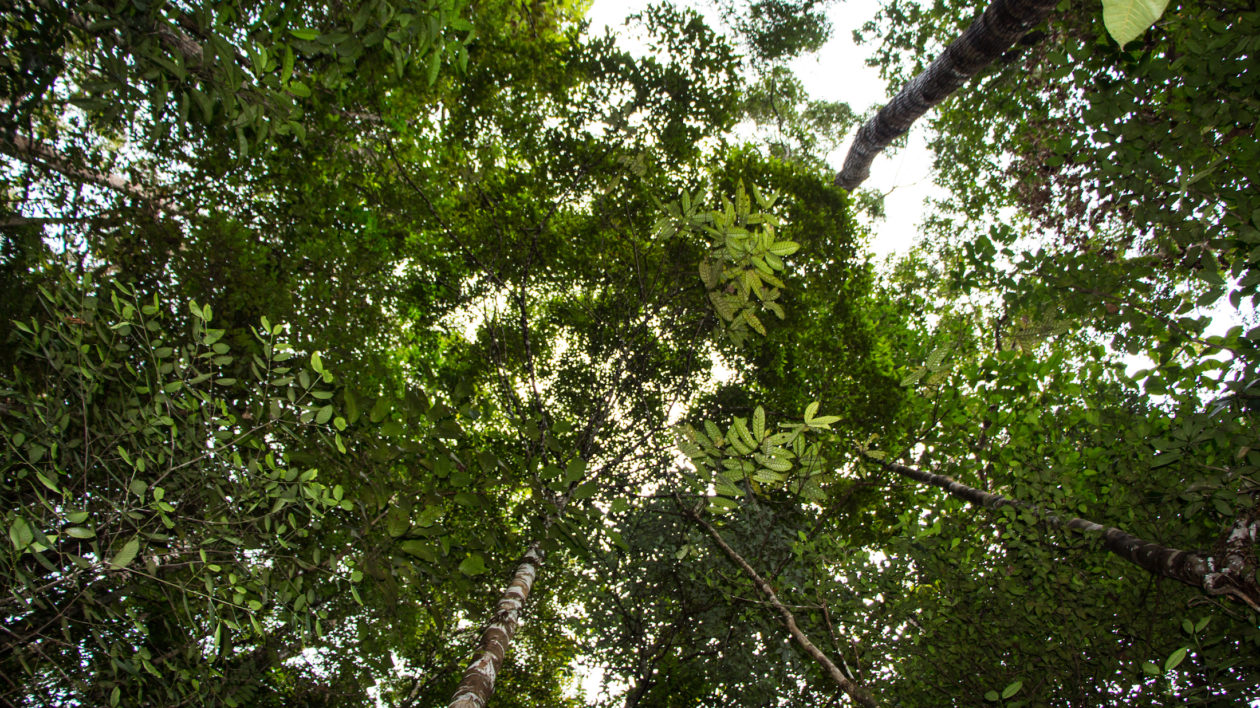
(1231, 573)
(856, 692)
(1001, 25)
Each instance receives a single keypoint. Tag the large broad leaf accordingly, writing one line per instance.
(1126, 20)
(127, 554)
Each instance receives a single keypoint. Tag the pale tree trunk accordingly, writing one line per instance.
(1002, 24)
(856, 692)
(1230, 573)
(31, 152)
(478, 683)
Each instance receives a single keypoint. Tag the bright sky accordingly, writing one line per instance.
(838, 72)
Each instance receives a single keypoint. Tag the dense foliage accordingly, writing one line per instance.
(321, 322)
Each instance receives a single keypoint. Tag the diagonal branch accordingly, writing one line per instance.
(856, 692)
(23, 148)
(477, 685)
(1230, 573)
(1001, 25)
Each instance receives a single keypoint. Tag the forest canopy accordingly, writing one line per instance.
(442, 352)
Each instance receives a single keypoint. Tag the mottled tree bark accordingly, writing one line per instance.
(31, 152)
(1230, 573)
(478, 683)
(856, 692)
(1002, 24)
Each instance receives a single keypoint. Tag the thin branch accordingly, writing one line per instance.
(856, 692)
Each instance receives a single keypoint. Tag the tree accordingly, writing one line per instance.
(997, 28)
(143, 484)
(542, 268)
(833, 672)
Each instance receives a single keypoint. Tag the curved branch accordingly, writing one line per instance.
(1002, 24)
(1231, 573)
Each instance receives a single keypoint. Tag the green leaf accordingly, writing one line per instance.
(1150, 669)
(745, 436)
(1126, 20)
(778, 464)
(420, 550)
(352, 406)
(936, 358)
(575, 470)
(80, 532)
(1012, 689)
(754, 322)
(708, 274)
(715, 434)
(810, 410)
(127, 554)
(429, 516)
(20, 533)
(722, 304)
(305, 34)
(435, 63)
(725, 487)
(991, 696)
(1175, 658)
(759, 424)
(397, 522)
(472, 565)
(324, 415)
(379, 410)
(784, 248)
(617, 539)
(47, 481)
(286, 68)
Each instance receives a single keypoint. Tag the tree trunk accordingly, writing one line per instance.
(478, 683)
(1002, 24)
(477, 686)
(856, 692)
(27, 150)
(1231, 573)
